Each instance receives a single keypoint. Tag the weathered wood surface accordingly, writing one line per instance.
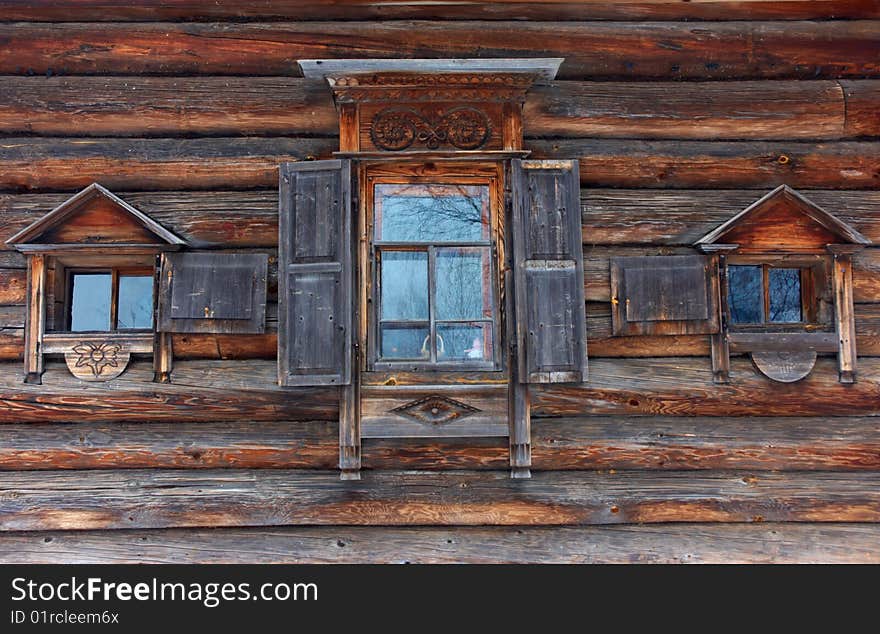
(232, 106)
(147, 10)
(201, 390)
(44, 163)
(781, 444)
(74, 500)
(769, 543)
(623, 217)
(246, 390)
(684, 387)
(717, 50)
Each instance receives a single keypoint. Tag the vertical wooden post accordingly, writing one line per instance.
(35, 320)
(163, 350)
(349, 127)
(843, 310)
(511, 131)
(520, 429)
(350, 430)
(719, 342)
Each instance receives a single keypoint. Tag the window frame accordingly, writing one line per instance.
(115, 273)
(464, 174)
(814, 284)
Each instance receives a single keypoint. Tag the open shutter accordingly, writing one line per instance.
(549, 272)
(664, 295)
(314, 270)
(213, 292)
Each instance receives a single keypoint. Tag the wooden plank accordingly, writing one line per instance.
(684, 387)
(81, 500)
(664, 222)
(200, 390)
(704, 164)
(248, 163)
(149, 10)
(655, 443)
(678, 218)
(720, 50)
(768, 543)
(231, 106)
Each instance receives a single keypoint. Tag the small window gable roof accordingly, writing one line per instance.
(832, 224)
(46, 228)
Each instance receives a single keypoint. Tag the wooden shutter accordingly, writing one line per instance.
(549, 272)
(314, 270)
(663, 295)
(213, 292)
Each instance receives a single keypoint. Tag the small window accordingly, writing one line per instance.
(764, 294)
(433, 260)
(110, 300)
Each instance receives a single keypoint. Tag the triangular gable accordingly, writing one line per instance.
(784, 218)
(95, 217)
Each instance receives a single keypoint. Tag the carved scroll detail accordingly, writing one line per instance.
(397, 128)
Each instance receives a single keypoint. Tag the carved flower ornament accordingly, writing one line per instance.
(97, 356)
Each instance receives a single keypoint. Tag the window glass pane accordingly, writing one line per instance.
(745, 294)
(404, 342)
(785, 295)
(464, 342)
(90, 302)
(404, 283)
(135, 309)
(432, 213)
(462, 287)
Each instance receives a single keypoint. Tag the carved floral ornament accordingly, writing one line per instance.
(397, 128)
(97, 360)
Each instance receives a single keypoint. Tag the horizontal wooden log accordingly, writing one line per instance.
(767, 543)
(657, 219)
(231, 106)
(13, 286)
(668, 164)
(780, 444)
(679, 218)
(684, 387)
(200, 391)
(148, 10)
(718, 50)
(80, 500)
(246, 390)
(249, 163)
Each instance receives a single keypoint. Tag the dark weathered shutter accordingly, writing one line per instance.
(314, 271)
(663, 295)
(549, 272)
(213, 293)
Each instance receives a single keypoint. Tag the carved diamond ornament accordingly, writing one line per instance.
(436, 410)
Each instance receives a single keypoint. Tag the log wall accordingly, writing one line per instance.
(681, 114)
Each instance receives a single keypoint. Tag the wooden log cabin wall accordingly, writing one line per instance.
(680, 115)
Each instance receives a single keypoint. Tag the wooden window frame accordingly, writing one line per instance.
(115, 273)
(489, 175)
(812, 269)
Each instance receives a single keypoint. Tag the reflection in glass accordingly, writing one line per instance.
(462, 284)
(404, 342)
(135, 309)
(90, 302)
(745, 294)
(785, 295)
(404, 282)
(432, 213)
(464, 342)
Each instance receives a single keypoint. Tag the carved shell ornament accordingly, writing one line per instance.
(397, 128)
(96, 360)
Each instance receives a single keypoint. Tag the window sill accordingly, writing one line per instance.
(135, 341)
(765, 341)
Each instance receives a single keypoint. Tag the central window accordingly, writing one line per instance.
(434, 284)
(109, 300)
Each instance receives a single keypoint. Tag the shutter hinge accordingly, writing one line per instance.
(614, 301)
